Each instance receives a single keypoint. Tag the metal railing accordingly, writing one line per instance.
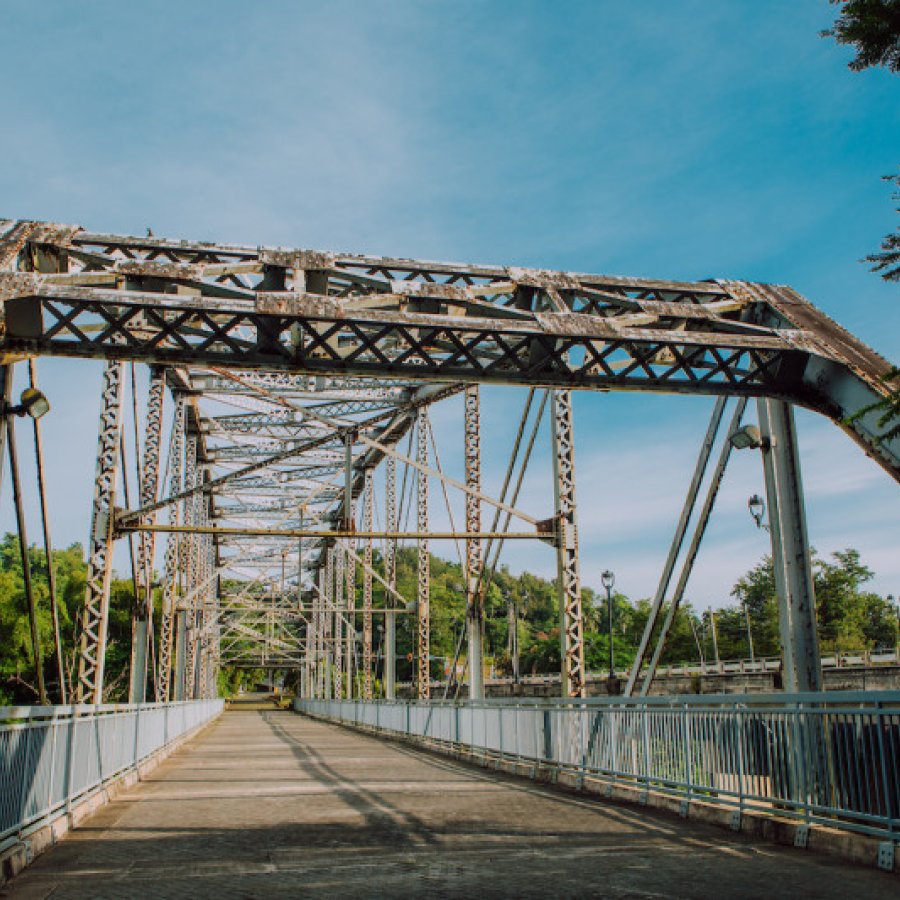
(827, 757)
(52, 755)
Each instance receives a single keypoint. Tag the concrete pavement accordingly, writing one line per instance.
(268, 803)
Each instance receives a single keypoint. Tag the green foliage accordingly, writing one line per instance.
(887, 260)
(889, 406)
(851, 619)
(17, 675)
(872, 27)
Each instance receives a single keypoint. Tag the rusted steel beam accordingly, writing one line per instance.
(543, 535)
(306, 311)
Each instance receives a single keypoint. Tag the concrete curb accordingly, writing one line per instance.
(850, 846)
(37, 838)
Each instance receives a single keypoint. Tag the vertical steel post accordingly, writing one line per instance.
(474, 605)
(170, 565)
(180, 653)
(790, 546)
(95, 618)
(308, 672)
(368, 509)
(142, 615)
(349, 439)
(316, 620)
(423, 593)
(390, 576)
(327, 621)
(191, 516)
(351, 624)
(6, 383)
(571, 624)
(48, 543)
(715, 638)
(338, 597)
(26, 563)
(321, 662)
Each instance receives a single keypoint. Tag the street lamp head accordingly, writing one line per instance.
(33, 402)
(745, 438)
(757, 509)
(608, 579)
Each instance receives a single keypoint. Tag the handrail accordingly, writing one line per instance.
(829, 757)
(52, 756)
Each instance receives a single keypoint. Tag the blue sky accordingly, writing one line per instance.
(670, 139)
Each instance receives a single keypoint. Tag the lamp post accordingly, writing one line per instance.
(512, 617)
(35, 404)
(609, 580)
(757, 508)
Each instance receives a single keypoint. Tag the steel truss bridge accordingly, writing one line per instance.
(291, 375)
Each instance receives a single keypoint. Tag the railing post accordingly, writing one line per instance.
(645, 717)
(70, 757)
(137, 732)
(54, 729)
(888, 810)
(689, 780)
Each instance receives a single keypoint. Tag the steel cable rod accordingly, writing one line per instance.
(681, 528)
(48, 545)
(491, 567)
(26, 562)
(125, 492)
(694, 547)
(509, 470)
(341, 427)
(437, 462)
(403, 508)
(526, 458)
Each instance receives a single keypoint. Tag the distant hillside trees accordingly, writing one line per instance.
(851, 619)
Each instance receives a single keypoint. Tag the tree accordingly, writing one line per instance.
(887, 261)
(16, 654)
(849, 618)
(755, 591)
(873, 28)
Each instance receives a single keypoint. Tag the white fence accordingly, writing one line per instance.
(829, 757)
(52, 755)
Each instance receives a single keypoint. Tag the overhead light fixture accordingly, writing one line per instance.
(33, 402)
(757, 509)
(746, 438)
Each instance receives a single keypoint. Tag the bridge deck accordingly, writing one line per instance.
(266, 803)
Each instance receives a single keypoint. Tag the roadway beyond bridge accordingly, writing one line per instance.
(266, 803)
